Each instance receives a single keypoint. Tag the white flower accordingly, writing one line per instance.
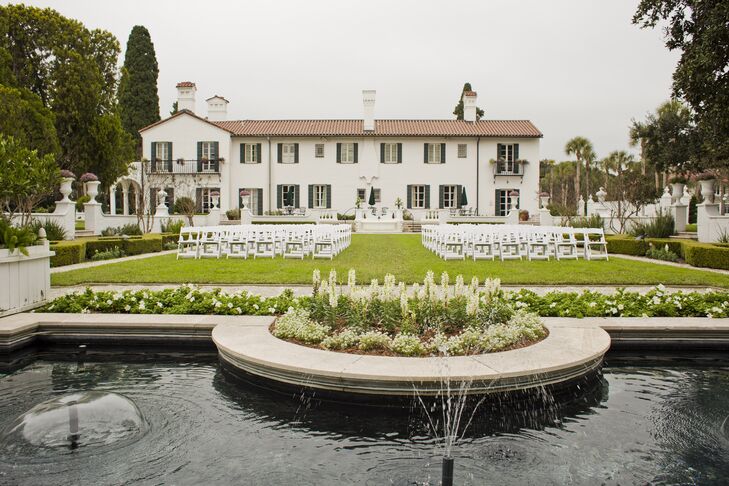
(230, 305)
(159, 304)
(255, 306)
(109, 302)
(351, 278)
(218, 304)
(142, 306)
(127, 307)
(621, 307)
(593, 304)
(552, 305)
(240, 311)
(272, 310)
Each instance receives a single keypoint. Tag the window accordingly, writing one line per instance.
(163, 151)
(251, 153)
(252, 198)
(377, 195)
(417, 197)
(346, 155)
(389, 153)
(206, 198)
(208, 156)
(434, 153)
(503, 201)
(508, 155)
(450, 198)
(319, 150)
(288, 153)
(462, 150)
(288, 195)
(320, 196)
(362, 195)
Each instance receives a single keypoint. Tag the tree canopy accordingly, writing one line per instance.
(458, 110)
(668, 139)
(698, 28)
(138, 98)
(73, 72)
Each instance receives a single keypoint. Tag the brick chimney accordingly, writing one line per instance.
(368, 99)
(186, 96)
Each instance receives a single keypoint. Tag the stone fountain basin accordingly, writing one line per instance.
(571, 351)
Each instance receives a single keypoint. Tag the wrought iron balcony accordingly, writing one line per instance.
(505, 168)
(183, 166)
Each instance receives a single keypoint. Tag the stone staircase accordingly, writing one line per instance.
(81, 233)
(411, 227)
(686, 235)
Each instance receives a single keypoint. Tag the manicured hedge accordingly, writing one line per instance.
(707, 255)
(102, 244)
(138, 246)
(68, 253)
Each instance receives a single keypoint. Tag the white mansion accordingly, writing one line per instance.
(328, 164)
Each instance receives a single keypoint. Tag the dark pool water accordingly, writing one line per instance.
(648, 420)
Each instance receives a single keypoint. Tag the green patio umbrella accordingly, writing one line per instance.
(372, 196)
(464, 198)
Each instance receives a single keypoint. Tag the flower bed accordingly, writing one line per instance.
(425, 320)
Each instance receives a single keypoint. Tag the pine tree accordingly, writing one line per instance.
(138, 98)
(458, 110)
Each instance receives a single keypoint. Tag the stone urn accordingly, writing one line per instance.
(215, 197)
(161, 198)
(677, 190)
(514, 198)
(544, 200)
(92, 189)
(707, 190)
(601, 195)
(66, 183)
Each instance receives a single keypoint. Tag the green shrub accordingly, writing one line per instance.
(173, 227)
(68, 253)
(14, 238)
(692, 228)
(705, 255)
(169, 238)
(115, 252)
(626, 245)
(138, 246)
(594, 221)
(100, 245)
(661, 253)
(345, 217)
(233, 214)
(54, 231)
(131, 229)
(81, 201)
(662, 226)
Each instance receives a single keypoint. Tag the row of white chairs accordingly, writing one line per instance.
(514, 242)
(264, 241)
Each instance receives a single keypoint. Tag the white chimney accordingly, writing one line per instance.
(469, 106)
(217, 108)
(186, 96)
(368, 99)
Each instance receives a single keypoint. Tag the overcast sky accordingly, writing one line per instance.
(573, 67)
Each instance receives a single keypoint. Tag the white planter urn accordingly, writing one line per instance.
(544, 201)
(161, 198)
(216, 201)
(66, 189)
(601, 195)
(707, 190)
(677, 191)
(92, 189)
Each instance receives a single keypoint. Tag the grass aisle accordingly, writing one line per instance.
(375, 255)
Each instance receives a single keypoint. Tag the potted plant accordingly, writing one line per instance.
(180, 161)
(523, 215)
(678, 182)
(707, 181)
(92, 185)
(221, 159)
(67, 178)
(398, 203)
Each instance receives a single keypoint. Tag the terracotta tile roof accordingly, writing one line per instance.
(186, 84)
(180, 113)
(469, 93)
(384, 128)
(218, 96)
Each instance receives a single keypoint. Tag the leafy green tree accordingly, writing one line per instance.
(698, 29)
(174, 108)
(458, 110)
(582, 149)
(668, 138)
(23, 116)
(138, 98)
(73, 71)
(25, 178)
(630, 191)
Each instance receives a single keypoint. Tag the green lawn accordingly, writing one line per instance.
(375, 255)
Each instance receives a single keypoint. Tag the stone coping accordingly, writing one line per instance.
(568, 353)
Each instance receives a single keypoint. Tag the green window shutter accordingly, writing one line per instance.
(216, 152)
(329, 194)
(199, 156)
(382, 153)
(425, 154)
(339, 153)
(458, 196)
(296, 153)
(399, 153)
(427, 197)
(260, 201)
(240, 204)
(259, 155)
(516, 151)
(280, 152)
(279, 196)
(442, 153)
(242, 153)
(296, 196)
(153, 156)
(356, 156)
(441, 190)
(168, 162)
(311, 196)
(409, 196)
(499, 148)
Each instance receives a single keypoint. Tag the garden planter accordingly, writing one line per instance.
(544, 201)
(66, 189)
(707, 190)
(24, 280)
(677, 191)
(92, 190)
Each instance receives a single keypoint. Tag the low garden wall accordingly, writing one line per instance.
(25, 280)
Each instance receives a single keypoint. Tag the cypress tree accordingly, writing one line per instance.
(138, 98)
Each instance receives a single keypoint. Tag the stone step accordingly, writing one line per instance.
(685, 235)
(80, 233)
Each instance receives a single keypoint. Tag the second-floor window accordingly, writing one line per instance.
(288, 153)
(346, 155)
(462, 150)
(434, 153)
(208, 156)
(389, 153)
(507, 158)
(251, 153)
(319, 150)
(163, 151)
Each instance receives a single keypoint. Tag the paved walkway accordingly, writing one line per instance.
(79, 266)
(300, 290)
(670, 264)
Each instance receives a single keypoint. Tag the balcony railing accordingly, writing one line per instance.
(182, 166)
(503, 168)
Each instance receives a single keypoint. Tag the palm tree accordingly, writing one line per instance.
(579, 147)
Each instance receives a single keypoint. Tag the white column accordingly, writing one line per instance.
(704, 222)
(112, 199)
(125, 197)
